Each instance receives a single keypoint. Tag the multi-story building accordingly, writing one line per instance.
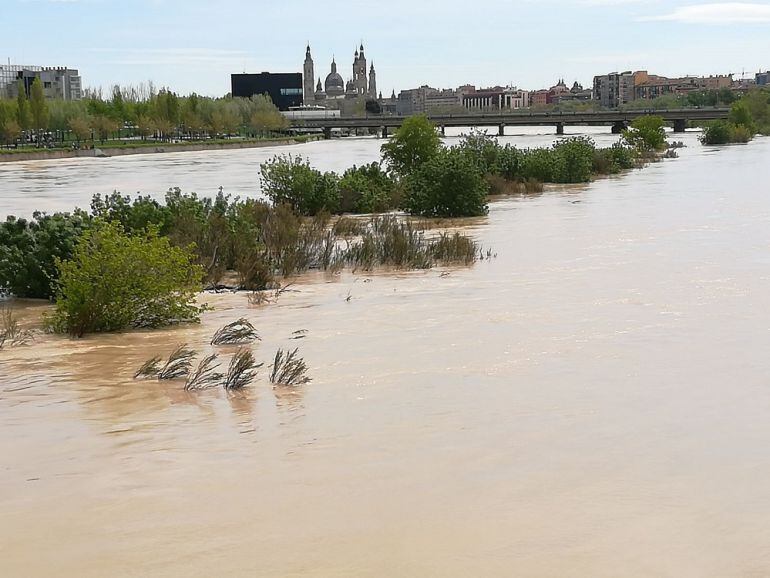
(648, 86)
(614, 89)
(58, 82)
(497, 98)
(762, 78)
(284, 88)
(538, 97)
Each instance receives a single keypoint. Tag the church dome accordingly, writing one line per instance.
(334, 84)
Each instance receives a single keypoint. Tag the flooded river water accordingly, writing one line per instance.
(592, 402)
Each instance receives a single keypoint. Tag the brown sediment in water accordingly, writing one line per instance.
(593, 402)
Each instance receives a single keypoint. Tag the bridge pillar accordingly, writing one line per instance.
(501, 130)
(619, 126)
(384, 132)
(327, 133)
(443, 130)
(679, 125)
(559, 128)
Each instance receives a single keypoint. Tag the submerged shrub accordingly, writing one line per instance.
(292, 181)
(575, 157)
(178, 364)
(205, 376)
(367, 189)
(114, 281)
(647, 133)
(29, 250)
(241, 371)
(236, 333)
(11, 332)
(447, 185)
(481, 149)
(724, 132)
(289, 369)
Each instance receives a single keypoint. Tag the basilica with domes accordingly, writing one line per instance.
(334, 87)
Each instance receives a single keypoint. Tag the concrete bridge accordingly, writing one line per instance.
(619, 120)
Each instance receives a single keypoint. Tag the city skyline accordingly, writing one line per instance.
(192, 47)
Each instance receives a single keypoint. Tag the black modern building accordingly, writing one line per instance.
(284, 88)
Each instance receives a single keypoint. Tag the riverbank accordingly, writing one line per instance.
(146, 148)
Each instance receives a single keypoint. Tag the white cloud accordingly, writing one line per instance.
(719, 13)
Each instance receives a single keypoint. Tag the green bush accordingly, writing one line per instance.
(292, 181)
(367, 189)
(540, 164)
(740, 116)
(134, 216)
(612, 160)
(447, 185)
(115, 281)
(481, 149)
(574, 159)
(29, 250)
(724, 132)
(414, 143)
(646, 133)
(509, 163)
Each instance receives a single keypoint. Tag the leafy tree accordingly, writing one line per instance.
(115, 281)
(448, 184)
(22, 107)
(646, 133)
(38, 106)
(292, 181)
(104, 127)
(29, 250)
(740, 115)
(80, 128)
(265, 116)
(414, 143)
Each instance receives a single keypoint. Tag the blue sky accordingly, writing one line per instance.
(194, 45)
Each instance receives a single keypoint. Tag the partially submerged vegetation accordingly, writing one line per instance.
(12, 334)
(140, 263)
(238, 332)
(288, 369)
(749, 116)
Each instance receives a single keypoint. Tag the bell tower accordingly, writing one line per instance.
(308, 93)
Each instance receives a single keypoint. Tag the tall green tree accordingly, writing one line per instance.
(22, 107)
(414, 143)
(38, 106)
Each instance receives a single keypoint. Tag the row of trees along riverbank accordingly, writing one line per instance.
(132, 115)
(132, 263)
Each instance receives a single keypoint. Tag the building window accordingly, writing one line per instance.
(291, 91)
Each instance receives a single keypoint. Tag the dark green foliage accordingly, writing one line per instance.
(367, 189)
(29, 250)
(136, 216)
(540, 164)
(414, 143)
(509, 163)
(646, 133)
(481, 149)
(574, 159)
(114, 281)
(724, 132)
(449, 184)
(740, 115)
(610, 161)
(289, 369)
(292, 181)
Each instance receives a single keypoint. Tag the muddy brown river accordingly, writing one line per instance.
(593, 402)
